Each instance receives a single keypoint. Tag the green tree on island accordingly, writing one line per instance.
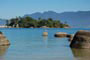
(27, 22)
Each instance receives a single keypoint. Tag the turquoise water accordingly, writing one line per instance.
(29, 44)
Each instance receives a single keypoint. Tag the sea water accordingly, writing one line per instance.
(29, 44)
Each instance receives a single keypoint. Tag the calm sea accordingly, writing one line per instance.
(29, 44)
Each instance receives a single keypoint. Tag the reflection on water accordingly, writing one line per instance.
(81, 54)
(3, 50)
(45, 41)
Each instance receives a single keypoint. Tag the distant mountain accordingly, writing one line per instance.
(75, 19)
(2, 21)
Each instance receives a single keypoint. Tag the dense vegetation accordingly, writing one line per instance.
(28, 22)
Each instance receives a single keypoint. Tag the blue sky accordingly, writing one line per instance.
(13, 8)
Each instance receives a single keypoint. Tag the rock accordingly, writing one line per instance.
(60, 34)
(1, 32)
(45, 33)
(63, 34)
(70, 36)
(81, 40)
(44, 27)
(3, 40)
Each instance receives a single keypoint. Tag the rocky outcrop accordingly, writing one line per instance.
(3, 40)
(81, 40)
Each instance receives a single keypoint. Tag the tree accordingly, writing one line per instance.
(26, 22)
(56, 24)
(50, 22)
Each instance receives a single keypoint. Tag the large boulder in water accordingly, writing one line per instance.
(3, 40)
(81, 40)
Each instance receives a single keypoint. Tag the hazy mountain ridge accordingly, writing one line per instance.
(75, 19)
(2, 21)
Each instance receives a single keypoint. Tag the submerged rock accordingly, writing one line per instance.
(3, 40)
(81, 40)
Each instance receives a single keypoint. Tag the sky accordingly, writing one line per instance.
(13, 8)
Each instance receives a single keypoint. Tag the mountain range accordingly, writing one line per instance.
(80, 19)
(2, 21)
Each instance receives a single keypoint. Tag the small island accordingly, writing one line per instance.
(29, 22)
